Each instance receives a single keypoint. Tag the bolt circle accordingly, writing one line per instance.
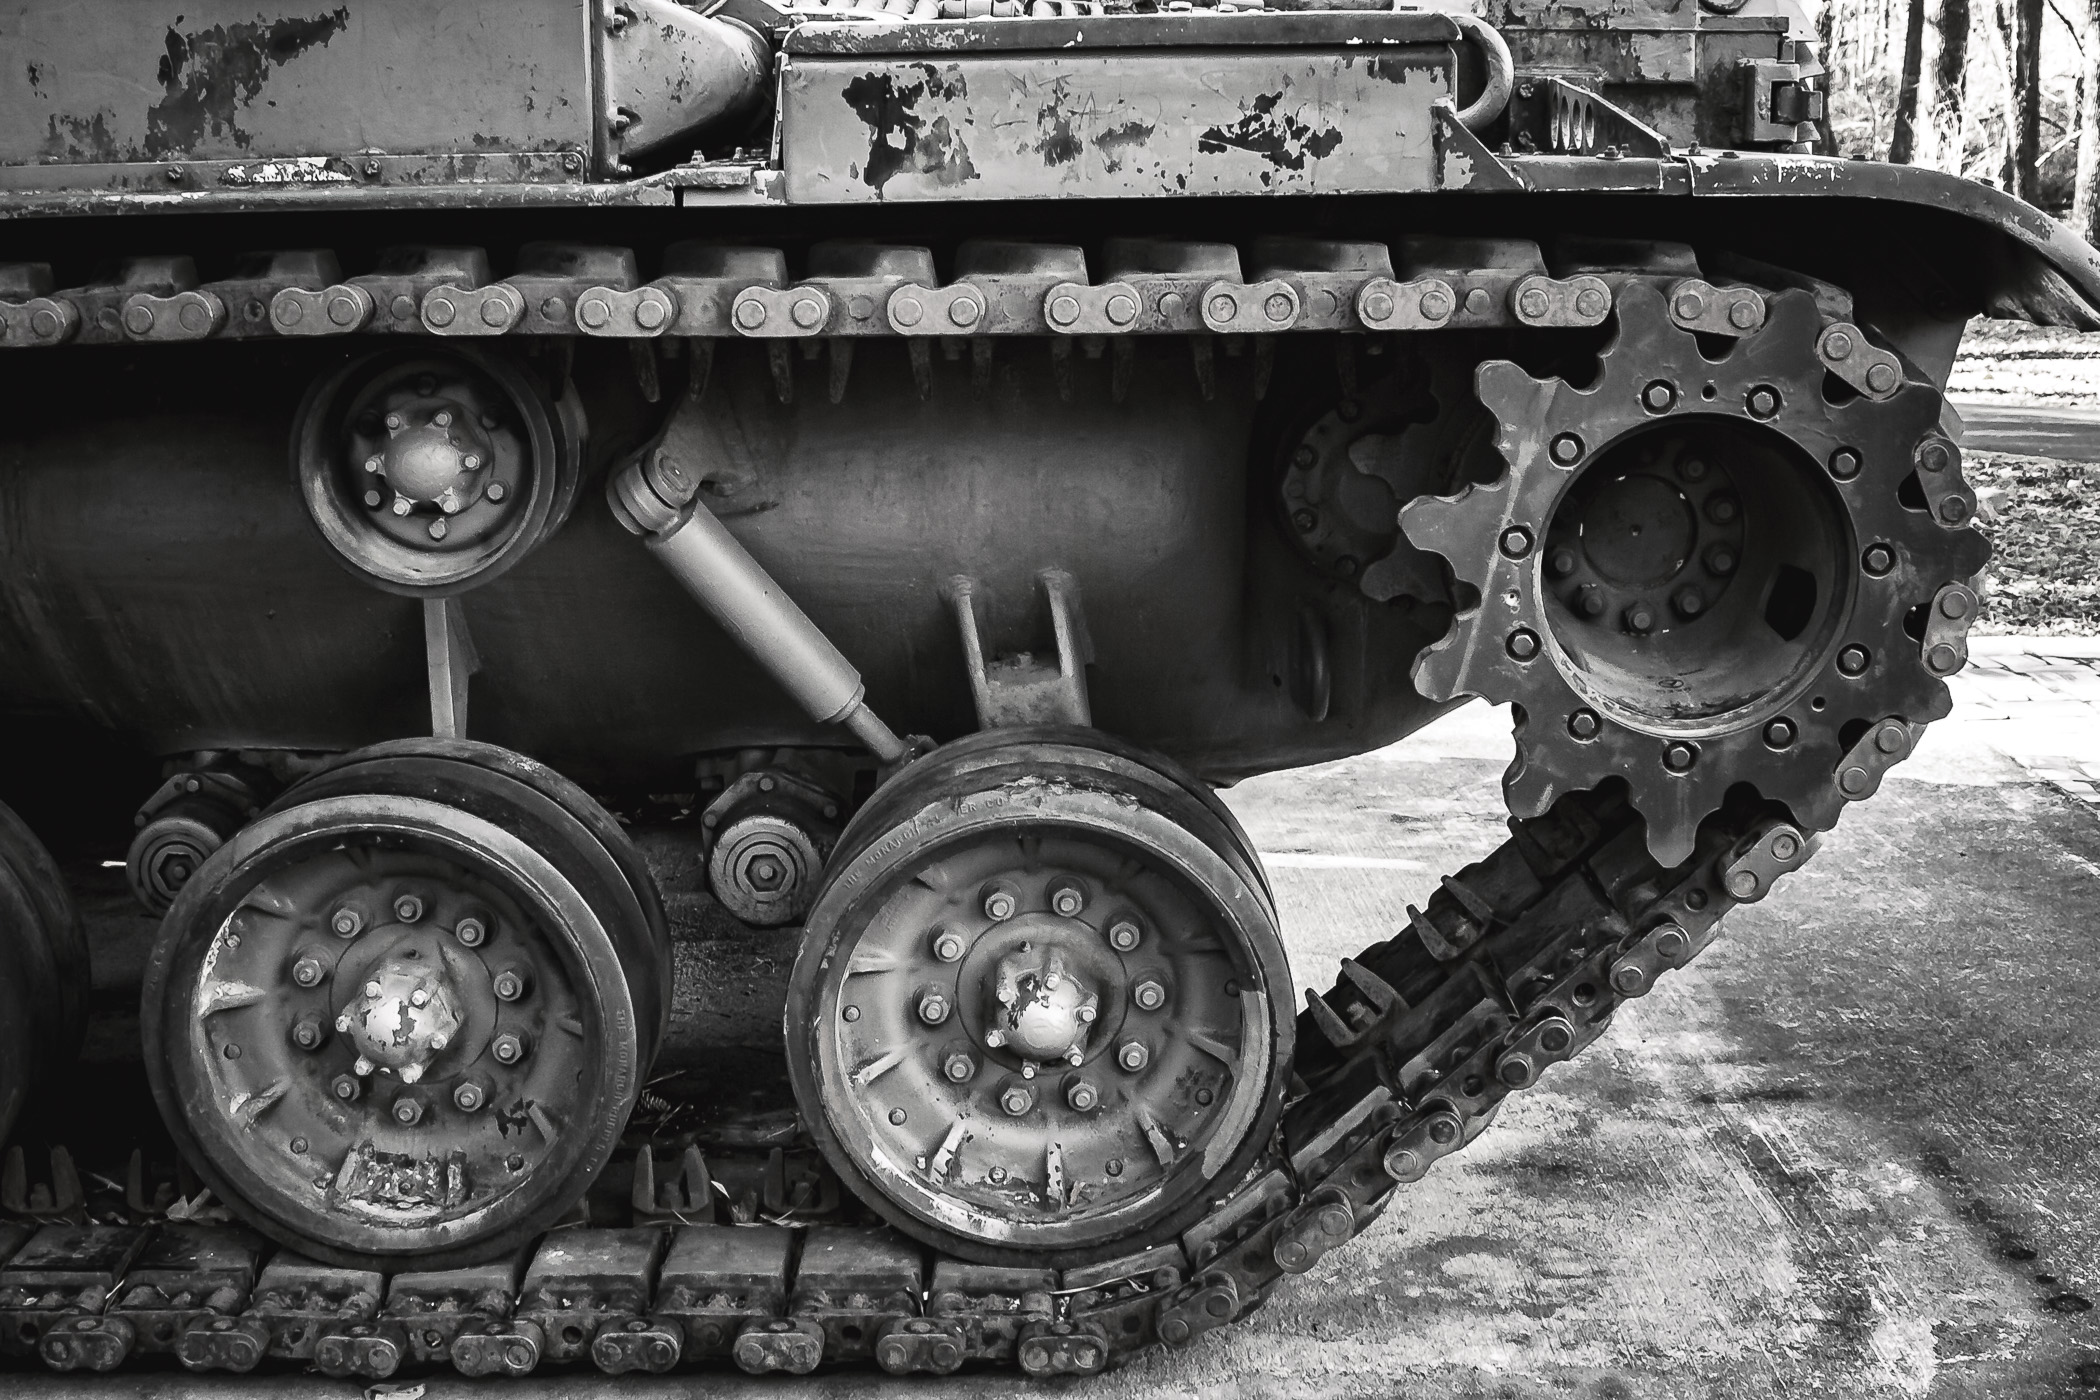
(1064, 310)
(750, 314)
(1222, 308)
(1837, 345)
(1533, 304)
(1954, 510)
(906, 310)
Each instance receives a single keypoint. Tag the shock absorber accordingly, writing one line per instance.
(657, 498)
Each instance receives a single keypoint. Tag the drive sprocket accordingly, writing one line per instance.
(1704, 568)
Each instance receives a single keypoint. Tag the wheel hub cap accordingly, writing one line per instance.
(1038, 1009)
(401, 1018)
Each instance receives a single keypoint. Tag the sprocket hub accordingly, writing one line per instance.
(1698, 572)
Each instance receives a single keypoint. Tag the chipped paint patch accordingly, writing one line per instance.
(300, 170)
(902, 139)
(1283, 139)
(210, 75)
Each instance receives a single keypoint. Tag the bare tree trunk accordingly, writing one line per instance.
(1942, 146)
(2027, 86)
(1827, 51)
(1903, 142)
(2085, 203)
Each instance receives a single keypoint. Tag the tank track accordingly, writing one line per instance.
(1517, 962)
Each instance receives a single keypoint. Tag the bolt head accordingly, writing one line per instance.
(307, 1034)
(408, 1112)
(307, 972)
(408, 909)
(1679, 758)
(1566, 449)
(509, 986)
(1516, 542)
(471, 932)
(1133, 1056)
(1082, 1097)
(1689, 602)
(1584, 724)
(1124, 935)
(346, 1088)
(1853, 660)
(949, 946)
(1780, 733)
(402, 505)
(507, 1049)
(1638, 618)
(933, 1008)
(1017, 1101)
(1845, 463)
(1523, 644)
(959, 1068)
(1068, 900)
(1000, 905)
(1658, 396)
(1149, 995)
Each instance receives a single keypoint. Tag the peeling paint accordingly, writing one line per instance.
(900, 138)
(209, 75)
(1284, 140)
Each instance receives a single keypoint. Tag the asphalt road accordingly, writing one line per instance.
(2070, 434)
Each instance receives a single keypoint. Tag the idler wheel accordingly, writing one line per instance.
(1041, 1009)
(433, 472)
(407, 1011)
(43, 969)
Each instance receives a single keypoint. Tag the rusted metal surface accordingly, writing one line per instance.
(100, 84)
(943, 119)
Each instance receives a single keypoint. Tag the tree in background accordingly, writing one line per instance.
(2085, 200)
(1903, 143)
(2025, 175)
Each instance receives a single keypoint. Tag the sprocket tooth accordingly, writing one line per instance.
(1452, 526)
(1528, 788)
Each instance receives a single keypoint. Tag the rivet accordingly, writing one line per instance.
(1533, 303)
(1064, 310)
(1889, 738)
(964, 311)
(806, 311)
(1837, 345)
(906, 310)
(751, 314)
(1881, 377)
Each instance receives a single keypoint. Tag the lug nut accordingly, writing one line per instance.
(1638, 618)
(1149, 995)
(1000, 905)
(1689, 602)
(933, 1008)
(1133, 1056)
(508, 1048)
(347, 923)
(468, 1097)
(408, 1111)
(307, 1033)
(1692, 469)
(1067, 898)
(949, 946)
(1589, 600)
(1561, 562)
(408, 909)
(509, 984)
(1720, 560)
(1082, 1097)
(1721, 510)
(1017, 1100)
(471, 932)
(372, 988)
(347, 1088)
(1124, 935)
(308, 971)
(959, 1067)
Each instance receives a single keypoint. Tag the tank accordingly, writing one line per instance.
(624, 620)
